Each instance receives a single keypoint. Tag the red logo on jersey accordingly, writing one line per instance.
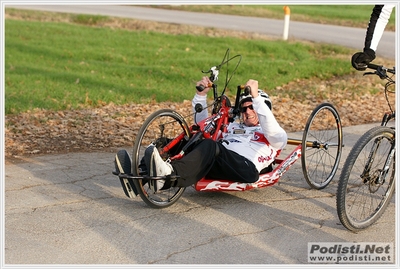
(267, 158)
(259, 137)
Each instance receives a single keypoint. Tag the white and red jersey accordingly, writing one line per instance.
(251, 143)
(260, 144)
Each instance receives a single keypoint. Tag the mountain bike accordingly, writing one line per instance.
(319, 149)
(367, 181)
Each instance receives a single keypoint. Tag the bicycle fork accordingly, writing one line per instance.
(379, 177)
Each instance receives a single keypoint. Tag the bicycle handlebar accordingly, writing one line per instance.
(380, 70)
(373, 66)
(201, 88)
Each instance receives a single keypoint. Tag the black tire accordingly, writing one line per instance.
(158, 129)
(360, 201)
(321, 146)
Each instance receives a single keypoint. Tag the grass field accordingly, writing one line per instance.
(78, 62)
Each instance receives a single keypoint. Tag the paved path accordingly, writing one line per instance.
(70, 209)
(345, 36)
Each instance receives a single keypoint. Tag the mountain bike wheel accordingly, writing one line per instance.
(363, 197)
(158, 129)
(321, 146)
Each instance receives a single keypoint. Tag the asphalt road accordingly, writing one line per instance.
(345, 36)
(70, 209)
(64, 210)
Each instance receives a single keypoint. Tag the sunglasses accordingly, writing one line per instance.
(244, 108)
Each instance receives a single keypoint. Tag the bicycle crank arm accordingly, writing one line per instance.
(129, 176)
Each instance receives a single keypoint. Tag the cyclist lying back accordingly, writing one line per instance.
(246, 150)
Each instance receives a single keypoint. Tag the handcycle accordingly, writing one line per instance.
(367, 181)
(319, 149)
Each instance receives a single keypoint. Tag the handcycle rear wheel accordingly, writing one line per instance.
(158, 129)
(363, 197)
(321, 146)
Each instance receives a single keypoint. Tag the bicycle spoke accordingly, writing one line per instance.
(320, 161)
(362, 194)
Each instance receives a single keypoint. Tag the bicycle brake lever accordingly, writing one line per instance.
(214, 73)
(369, 73)
(213, 77)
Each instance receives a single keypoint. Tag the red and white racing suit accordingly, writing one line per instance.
(260, 144)
(239, 156)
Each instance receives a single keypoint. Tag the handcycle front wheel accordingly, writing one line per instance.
(321, 146)
(159, 129)
(367, 182)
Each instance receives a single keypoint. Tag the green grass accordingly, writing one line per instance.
(57, 66)
(89, 19)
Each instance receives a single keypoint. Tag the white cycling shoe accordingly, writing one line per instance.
(156, 166)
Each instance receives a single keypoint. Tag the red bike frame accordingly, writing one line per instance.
(212, 127)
